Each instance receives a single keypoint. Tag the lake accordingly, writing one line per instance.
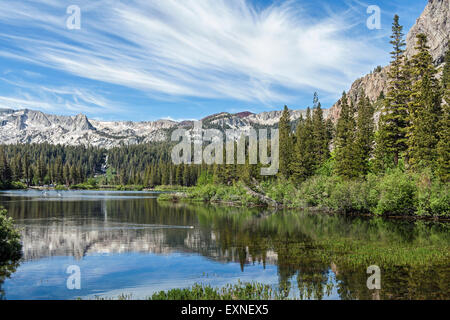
(129, 243)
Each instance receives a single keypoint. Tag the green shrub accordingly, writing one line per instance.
(354, 195)
(398, 194)
(92, 182)
(433, 198)
(203, 192)
(316, 191)
(395, 193)
(235, 193)
(173, 197)
(440, 201)
(17, 185)
(128, 188)
(342, 197)
(10, 246)
(281, 190)
(81, 186)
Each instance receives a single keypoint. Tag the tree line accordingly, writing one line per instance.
(412, 131)
(413, 127)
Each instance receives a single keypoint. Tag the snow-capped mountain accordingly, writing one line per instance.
(30, 126)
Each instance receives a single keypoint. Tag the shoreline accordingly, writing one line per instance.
(100, 188)
(181, 197)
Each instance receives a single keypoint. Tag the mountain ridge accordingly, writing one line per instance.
(33, 126)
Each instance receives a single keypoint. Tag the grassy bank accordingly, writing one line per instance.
(396, 193)
(240, 291)
(235, 194)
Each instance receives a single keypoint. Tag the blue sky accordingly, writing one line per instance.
(150, 59)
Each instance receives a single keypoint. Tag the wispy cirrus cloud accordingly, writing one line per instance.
(224, 49)
(55, 98)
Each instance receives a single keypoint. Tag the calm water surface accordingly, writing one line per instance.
(128, 243)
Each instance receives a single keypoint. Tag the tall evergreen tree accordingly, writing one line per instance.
(179, 175)
(41, 169)
(285, 144)
(424, 108)
(443, 147)
(5, 170)
(186, 175)
(345, 140)
(364, 139)
(393, 124)
(303, 164)
(321, 138)
(66, 174)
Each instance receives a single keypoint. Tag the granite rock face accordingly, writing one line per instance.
(435, 23)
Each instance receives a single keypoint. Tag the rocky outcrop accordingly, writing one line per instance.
(435, 23)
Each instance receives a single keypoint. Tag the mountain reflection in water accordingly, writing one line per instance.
(306, 255)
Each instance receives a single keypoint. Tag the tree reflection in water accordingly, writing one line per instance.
(316, 253)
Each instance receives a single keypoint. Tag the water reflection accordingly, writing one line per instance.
(316, 256)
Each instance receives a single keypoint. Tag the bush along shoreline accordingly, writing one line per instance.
(10, 245)
(396, 193)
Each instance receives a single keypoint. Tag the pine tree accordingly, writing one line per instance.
(41, 169)
(219, 173)
(66, 174)
(13, 166)
(5, 170)
(123, 177)
(285, 144)
(443, 147)
(345, 140)
(164, 173)
(179, 175)
(393, 124)
(26, 169)
(364, 139)
(330, 130)
(424, 108)
(193, 174)
(186, 175)
(59, 171)
(19, 169)
(151, 180)
(321, 139)
(303, 164)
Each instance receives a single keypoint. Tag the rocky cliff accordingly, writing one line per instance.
(435, 23)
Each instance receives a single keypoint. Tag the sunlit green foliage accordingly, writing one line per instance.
(10, 246)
